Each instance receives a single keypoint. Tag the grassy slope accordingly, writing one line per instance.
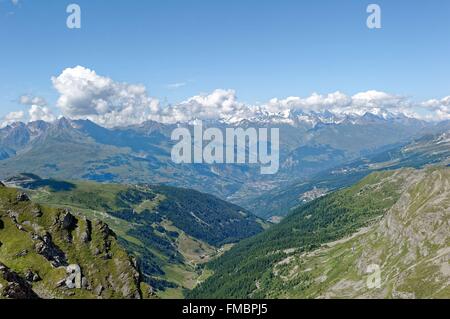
(288, 261)
(410, 244)
(157, 225)
(95, 268)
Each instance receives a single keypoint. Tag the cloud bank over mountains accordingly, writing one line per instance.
(83, 94)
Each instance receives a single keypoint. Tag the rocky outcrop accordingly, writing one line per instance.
(107, 235)
(31, 276)
(86, 233)
(69, 222)
(44, 246)
(15, 219)
(404, 254)
(66, 223)
(22, 197)
(16, 286)
(59, 254)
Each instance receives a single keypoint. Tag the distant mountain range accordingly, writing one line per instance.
(345, 185)
(426, 150)
(310, 143)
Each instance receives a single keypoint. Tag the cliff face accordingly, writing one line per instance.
(411, 244)
(51, 253)
(404, 255)
(387, 236)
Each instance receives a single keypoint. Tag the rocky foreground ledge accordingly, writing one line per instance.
(54, 253)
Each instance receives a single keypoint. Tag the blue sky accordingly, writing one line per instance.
(262, 49)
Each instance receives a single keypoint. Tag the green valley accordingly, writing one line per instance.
(171, 231)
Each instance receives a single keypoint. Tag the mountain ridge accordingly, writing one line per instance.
(43, 250)
(139, 153)
(170, 231)
(427, 150)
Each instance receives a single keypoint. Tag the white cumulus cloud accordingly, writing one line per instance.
(340, 103)
(219, 104)
(12, 117)
(85, 94)
(440, 108)
(34, 113)
(316, 102)
(40, 113)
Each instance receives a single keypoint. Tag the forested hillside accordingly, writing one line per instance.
(399, 220)
(169, 230)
